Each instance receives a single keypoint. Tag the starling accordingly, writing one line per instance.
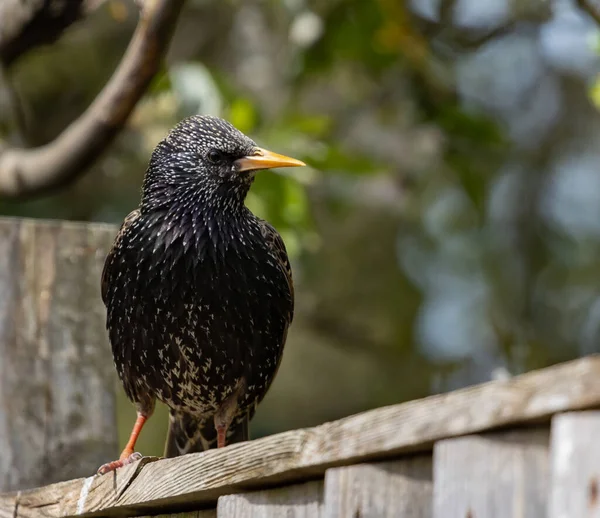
(198, 290)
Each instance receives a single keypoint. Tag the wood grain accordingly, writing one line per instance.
(57, 403)
(210, 513)
(492, 476)
(297, 501)
(199, 479)
(575, 465)
(396, 489)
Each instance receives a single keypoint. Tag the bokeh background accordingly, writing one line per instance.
(447, 231)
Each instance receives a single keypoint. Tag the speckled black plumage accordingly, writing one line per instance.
(198, 290)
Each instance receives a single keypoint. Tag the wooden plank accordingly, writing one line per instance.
(575, 465)
(298, 501)
(492, 476)
(199, 479)
(210, 513)
(396, 489)
(57, 381)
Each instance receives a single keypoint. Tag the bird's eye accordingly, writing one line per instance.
(214, 156)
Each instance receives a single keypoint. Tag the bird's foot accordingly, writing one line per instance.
(126, 458)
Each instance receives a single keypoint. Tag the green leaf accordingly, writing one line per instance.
(243, 115)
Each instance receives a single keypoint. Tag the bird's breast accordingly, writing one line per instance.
(200, 320)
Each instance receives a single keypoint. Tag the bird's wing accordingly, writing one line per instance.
(280, 253)
(131, 217)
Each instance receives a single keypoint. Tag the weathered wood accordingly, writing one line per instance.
(57, 408)
(298, 501)
(397, 489)
(575, 465)
(211, 513)
(492, 476)
(199, 479)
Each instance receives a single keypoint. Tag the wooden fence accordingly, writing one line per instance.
(525, 448)
(57, 381)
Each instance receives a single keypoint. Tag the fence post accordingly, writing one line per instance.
(57, 381)
(495, 475)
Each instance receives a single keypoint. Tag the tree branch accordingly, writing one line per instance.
(592, 10)
(28, 172)
(26, 25)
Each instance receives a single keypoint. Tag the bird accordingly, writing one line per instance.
(198, 290)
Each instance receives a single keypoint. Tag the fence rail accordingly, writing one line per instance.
(526, 447)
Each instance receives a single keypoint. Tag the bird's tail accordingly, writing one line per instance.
(189, 435)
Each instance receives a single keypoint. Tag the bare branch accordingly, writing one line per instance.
(592, 10)
(27, 172)
(26, 25)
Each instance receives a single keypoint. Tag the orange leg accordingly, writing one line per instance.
(127, 455)
(224, 414)
(221, 435)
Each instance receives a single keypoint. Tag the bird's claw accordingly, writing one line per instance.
(115, 464)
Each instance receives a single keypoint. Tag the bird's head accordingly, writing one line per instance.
(205, 159)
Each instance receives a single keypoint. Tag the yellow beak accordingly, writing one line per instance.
(264, 159)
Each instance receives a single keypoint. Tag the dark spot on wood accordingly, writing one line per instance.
(357, 514)
(593, 492)
(75, 420)
(469, 514)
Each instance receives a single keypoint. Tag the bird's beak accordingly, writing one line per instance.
(264, 159)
